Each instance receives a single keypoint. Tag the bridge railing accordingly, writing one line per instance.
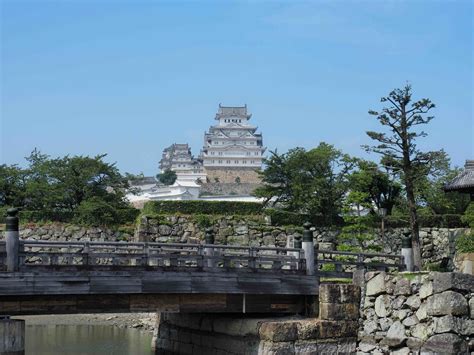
(333, 263)
(33, 253)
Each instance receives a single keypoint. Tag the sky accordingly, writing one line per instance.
(129, 78)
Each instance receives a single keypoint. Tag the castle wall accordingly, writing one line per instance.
(228, 175)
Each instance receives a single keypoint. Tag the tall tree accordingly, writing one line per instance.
(380, 189)
(402, 117)
(313, 181)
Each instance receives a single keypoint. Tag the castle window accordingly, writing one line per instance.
(236, 161)
(228, 161)
(213, 161)
(220, 161)
(244, 161)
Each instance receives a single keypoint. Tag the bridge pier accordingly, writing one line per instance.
(12, 336)
(308, 247)
(12, 240)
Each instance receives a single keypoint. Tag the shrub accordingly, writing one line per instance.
(435, 220)
(287, 218)
(96, 211)
(465, 243)
(202, 207)
(203, 221)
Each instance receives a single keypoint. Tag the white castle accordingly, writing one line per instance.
(233, 141)
(232, 153)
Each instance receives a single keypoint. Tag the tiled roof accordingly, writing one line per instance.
(464, 182)
(232, 111)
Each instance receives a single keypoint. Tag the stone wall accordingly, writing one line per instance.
(228, 175)
(333, 333)
(437, 243)
(230, 230)
(417, 313)
(228, 189)
(66, 232)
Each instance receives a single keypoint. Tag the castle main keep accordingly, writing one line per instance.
(233, 150)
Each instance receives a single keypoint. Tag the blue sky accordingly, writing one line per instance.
(128, 78)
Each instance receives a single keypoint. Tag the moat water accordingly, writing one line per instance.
(86, 339)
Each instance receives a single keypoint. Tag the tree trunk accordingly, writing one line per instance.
(415, 234)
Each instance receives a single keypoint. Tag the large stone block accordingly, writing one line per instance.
(446, 344)
(278, 331)
(271, 348)
(344, 311)
(395, 335)
(337, 329)
(306, 347)
(446, 303)
(335, 293)
(382, 306)
(328, 347)
(443, 281)
(376, 285)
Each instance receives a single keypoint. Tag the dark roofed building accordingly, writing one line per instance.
(464, 182)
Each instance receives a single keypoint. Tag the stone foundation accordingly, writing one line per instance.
(417, 313)
(333, 333)
(228, 175)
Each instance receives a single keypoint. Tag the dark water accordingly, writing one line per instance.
(86, 339)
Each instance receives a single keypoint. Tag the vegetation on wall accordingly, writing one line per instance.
(202, 207)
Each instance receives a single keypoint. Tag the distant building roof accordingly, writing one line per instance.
(232, 111)
(464, 182)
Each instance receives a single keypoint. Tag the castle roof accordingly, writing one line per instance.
(464, 182)
(232, 111)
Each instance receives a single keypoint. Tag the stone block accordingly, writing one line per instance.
(347, 346)
(421, 312)
(344, 311)
(335, 293)
(410, 321)
(443, 281)
(422, 331)
(306, 347)
(446, 344)
(337, 329)
(446, 303)
(308, 329)
(402, 287)
(413, 302)
(382, 306)
(447, 324)
(402, 351)
(278, 331)
(328, 347)
(395, 335)
(426, 290)
(414, 343)
(271, 348)
(376, 285)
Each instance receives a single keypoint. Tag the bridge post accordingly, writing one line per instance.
(297, 254)
(209, 252)
(12, 235)
(308, 247)
(12, 336)
(407, 252)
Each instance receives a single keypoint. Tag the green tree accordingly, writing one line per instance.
(12, 185)
(72, 184)
(312, 182)
(401, 118)
(380, 189)
(430, 193)
(357, 232)
(168, 177)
